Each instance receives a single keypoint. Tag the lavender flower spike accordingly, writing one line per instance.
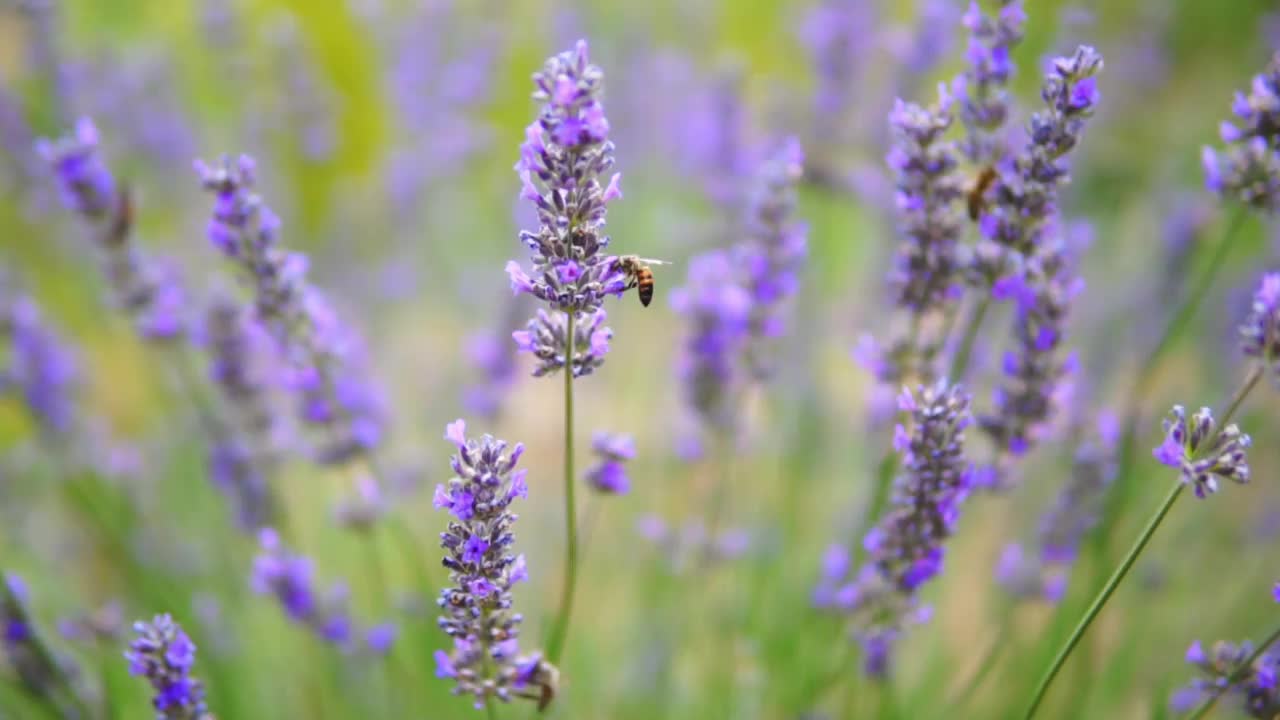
(485, 661)
(980, 90)
(609, 474)
(291, 579)
(41, 368)
(1249, 169)
(23, 649)
(1231, 669)
(775, 247)
(718, 310)
(1260, 333)
(546, 338)
(164, 655)
(1202, 454)
(565, 154)
(924, 165)
(906, 547)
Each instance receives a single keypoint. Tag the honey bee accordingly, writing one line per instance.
(639, 275)
(976, 195)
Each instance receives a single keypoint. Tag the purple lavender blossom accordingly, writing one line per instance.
(1228, 671)
(1024, 196)
(290, 579)
(718, 310)
(546, 338)
(41, 367)
(1201, 453)
(774, 249)
(928, 187)
(151, 292)
(839, 37)
(981, 89)
(906, 547)
(485, 662)
(565, 153)
(609, 474)
(1248, 170)
(164, 655)
(324, 355)
(1260, 333)
(1076, 509)
(713, 137)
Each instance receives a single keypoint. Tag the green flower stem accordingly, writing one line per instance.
(1237, 677)
(555, 644)
(960, 361)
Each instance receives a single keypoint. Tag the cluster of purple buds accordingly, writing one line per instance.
(164, 655)
(324, 355)
(151, 292)
(41, 367)
(239, 460)
(1034, 369)
(609, 474)
(905, 549)
(485, 662)
(1023, 199)
(717, 309)
(291, 580)
(565, 153)
(774, 248)
(1201, 452)
(924, 164)
(546, 337)
(1228, 670)
(981, 90)
(1260, 333)
(1248, 170)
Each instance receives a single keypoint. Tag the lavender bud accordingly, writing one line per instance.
(41, 367)
(485, 662)
(565, 153)
(164, 655)
(1260, 333)
(1248, 170)
(290, 579)
(609, 474)
(981, 89)
(86, 184)
(1201, 453)
(718, 311)
(546, 338)
(1226, 670)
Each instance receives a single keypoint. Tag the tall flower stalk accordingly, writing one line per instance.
(565, 157)
(164, 655)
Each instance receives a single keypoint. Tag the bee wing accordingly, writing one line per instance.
(651, 261)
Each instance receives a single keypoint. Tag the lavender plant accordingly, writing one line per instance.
(290, 578)
(41, 369)
(1248, 170)
(1260, 333)
(485, 661)
(981, 89)
(1242, 670)
(26, 652)
(609, 473)
(164, 655)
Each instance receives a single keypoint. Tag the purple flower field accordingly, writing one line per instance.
(823, 360)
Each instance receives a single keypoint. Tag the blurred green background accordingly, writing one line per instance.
(335, 98)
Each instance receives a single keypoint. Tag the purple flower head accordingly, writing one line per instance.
(981, 94)
(926, 270)
(1260, 333)
(290, 578)
(1231, 671)
(86, 184)
(1248, 169)
(1201, 452)
(164, 655)
(41, 370)
(326, 359)
(1076, 509)
(609, 474)
(717, 310)
(493, 356)
(839, 38)
(477, 606)
(546, 338)
(565, 157)
(774, 249)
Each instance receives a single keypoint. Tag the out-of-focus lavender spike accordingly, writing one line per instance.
(164, 655)
(565, 155)
(839, 36)
(150, 292)
(773, 251)
(1260, 333)
(905, 548)
(493, 355)
(290, 578)
(1248, 169)
(41, 370)
(1201, 453)
(25, 651)
(981, 91)
(546, 338)
(485, 662)
(240, 463)
(307, 111)
(1233, 671)
(609, 473)
(325, 357)
(714, 138)
(717, 310)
